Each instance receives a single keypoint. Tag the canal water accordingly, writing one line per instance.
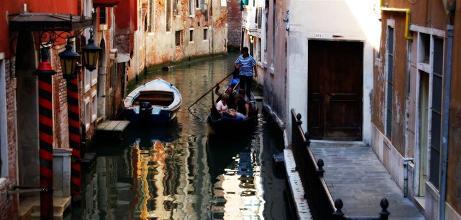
(182, 171)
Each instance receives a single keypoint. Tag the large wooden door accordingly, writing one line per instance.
(335, 90)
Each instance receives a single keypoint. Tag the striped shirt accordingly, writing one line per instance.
(246, 65)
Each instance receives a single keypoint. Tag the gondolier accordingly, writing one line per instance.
(246, 65)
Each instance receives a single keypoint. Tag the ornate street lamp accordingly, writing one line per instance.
(69, 60)
(91, 54)
(44, 67)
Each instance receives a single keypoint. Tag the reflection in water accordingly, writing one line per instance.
(177, 171)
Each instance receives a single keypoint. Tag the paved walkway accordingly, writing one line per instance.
(354, 173)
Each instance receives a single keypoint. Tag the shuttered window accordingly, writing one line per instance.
(436, 114)
(390, 78)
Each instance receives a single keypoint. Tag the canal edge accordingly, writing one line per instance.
(293, 178)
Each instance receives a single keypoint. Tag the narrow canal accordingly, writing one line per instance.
(181, 171)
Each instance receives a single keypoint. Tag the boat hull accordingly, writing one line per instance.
(223, 126)
(162, 117)
(156, 101)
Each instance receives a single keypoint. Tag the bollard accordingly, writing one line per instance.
(320, 170)
(384, 214)
(338, 214)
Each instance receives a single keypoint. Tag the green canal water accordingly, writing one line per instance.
(181, 171)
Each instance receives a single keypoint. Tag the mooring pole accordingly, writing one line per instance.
(75, 136)
(45, 94)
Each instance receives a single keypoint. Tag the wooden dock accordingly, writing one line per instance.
(116, 128)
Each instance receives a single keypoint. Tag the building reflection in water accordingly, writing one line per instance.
(179, 171)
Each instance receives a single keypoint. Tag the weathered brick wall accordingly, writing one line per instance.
(61, 128)
(8, 209)
(234, 21)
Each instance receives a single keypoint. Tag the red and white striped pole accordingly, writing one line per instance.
(45, 93)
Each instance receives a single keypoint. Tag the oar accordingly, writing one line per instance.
(206, 93)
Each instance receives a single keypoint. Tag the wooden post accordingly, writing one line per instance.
(75, 136)
(45, 93)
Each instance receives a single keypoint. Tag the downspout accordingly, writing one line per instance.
(446, 120)
(407, 12)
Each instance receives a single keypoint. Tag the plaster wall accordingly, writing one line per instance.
(338, 20)
(454, 140)
(156, 44)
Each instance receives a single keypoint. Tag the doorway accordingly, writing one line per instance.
(27, 109)
(335, 72)
(423, 111)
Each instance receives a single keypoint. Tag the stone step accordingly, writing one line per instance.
(30, 207)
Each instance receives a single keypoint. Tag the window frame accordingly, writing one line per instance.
(205, 34)
(429, 67)
(389, 87)
(191, 35)
(4, 151)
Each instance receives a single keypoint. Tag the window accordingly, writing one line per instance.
(168, 15)
(259, 17)
(94, 110)
(178, 38)
(197, 3)
(191, 35)
(424, 50)
(175, 7)
(150, 25)
(102, 15)
(205, 34)
(259, 49)
(191, 8)
(436, 114)
(87, 113)
(3, 121)
(390, 78)
(87, 80)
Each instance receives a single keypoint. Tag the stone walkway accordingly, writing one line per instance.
(354, 174)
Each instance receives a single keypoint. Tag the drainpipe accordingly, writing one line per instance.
(445, 123)
(407, 18)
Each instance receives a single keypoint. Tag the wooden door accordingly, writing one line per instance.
(335, 90)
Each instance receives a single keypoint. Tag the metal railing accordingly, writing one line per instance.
(311, 172)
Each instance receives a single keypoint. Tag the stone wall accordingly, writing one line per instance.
(234, 21)
(8, 209)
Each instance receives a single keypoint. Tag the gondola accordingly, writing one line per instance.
(156, 101)
(224, 124)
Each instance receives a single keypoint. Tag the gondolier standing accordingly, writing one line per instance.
(246, 65)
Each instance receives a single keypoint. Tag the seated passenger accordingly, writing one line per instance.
(236, 115)
(221, 106)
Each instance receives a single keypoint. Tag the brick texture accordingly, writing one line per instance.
(234, 20)
(8, 208)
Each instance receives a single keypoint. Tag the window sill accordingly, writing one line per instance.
(93, 118)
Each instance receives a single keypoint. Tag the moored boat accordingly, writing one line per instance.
(155, 101)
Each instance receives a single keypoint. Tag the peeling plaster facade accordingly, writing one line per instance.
(265, 35)
(409, 130)
(176, 30)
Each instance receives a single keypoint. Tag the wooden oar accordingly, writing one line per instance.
(206, 93)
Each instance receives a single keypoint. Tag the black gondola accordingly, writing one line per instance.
(223, 124)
